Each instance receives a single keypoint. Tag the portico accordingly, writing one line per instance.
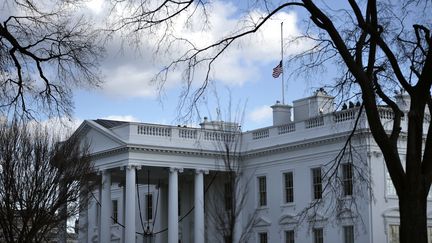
(170, 205)
(137, 160)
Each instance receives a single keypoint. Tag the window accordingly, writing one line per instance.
(348, 234)
(393, 234)
(115, 211)
(228, 196)
(347, 179)
(289, 236)
(262, 191)
(318, 235)
(317, 183)
(391, 191)
(289, 187)
(263, 236)
(149, 202)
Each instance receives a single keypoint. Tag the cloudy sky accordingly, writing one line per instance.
(242, 73)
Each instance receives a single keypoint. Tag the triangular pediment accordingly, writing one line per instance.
(261, 222)
(288, 219)
(316, 217)
(346, 214)
(99, 137)
(391, 213)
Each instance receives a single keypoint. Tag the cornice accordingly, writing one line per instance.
(156, 150)
(171, 150)
(280, 148)
(303, 144)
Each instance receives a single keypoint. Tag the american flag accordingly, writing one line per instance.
(277, 70)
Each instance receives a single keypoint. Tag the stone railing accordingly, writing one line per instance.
(287, 128)
(187, 133)
(154, 130)
(327, 123)
(386, 113)
(314, 122)
(219, 136)
(259, 134)
(345, 115)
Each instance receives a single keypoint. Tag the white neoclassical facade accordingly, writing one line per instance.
(160, 183)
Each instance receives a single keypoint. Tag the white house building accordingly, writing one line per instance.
(157, 181)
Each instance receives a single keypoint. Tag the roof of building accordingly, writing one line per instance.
(109, 123)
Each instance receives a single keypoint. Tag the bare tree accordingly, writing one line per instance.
(42, 182)
(232, 191)
(381, 46)
(46, 49)
(348, 174)
(228, 199)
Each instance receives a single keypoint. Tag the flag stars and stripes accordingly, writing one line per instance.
(277, 70)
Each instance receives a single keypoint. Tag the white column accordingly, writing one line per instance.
(130, 204)
(106, 204)
(199, 207)
(123, 210)
(173, 205)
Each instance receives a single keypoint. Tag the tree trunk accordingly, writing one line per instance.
(413, 215)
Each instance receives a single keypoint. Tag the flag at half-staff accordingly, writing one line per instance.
(277, 70)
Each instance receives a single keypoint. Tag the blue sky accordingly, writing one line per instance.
(245, 70)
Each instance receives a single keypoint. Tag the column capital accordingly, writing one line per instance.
(100, 171)
(201, 171)
(131, 166)
(176, 169)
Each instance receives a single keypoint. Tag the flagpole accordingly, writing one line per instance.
(283, 86)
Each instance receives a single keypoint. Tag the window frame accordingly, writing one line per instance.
(348, 234)
(318, 235)
(114, 211)
(286, 236)
(286, 188)
(262, 195)
(347, 179)
(261, 233)
(147, 204)
(315, 184)
(390, 228)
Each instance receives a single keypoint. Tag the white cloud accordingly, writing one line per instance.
(95, 5)
(129, 81)
(261, 114)
(129, 70)
(61, 127)
(121, 118)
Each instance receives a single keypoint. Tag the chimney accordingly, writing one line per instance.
(281, 114)
(318, 104)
